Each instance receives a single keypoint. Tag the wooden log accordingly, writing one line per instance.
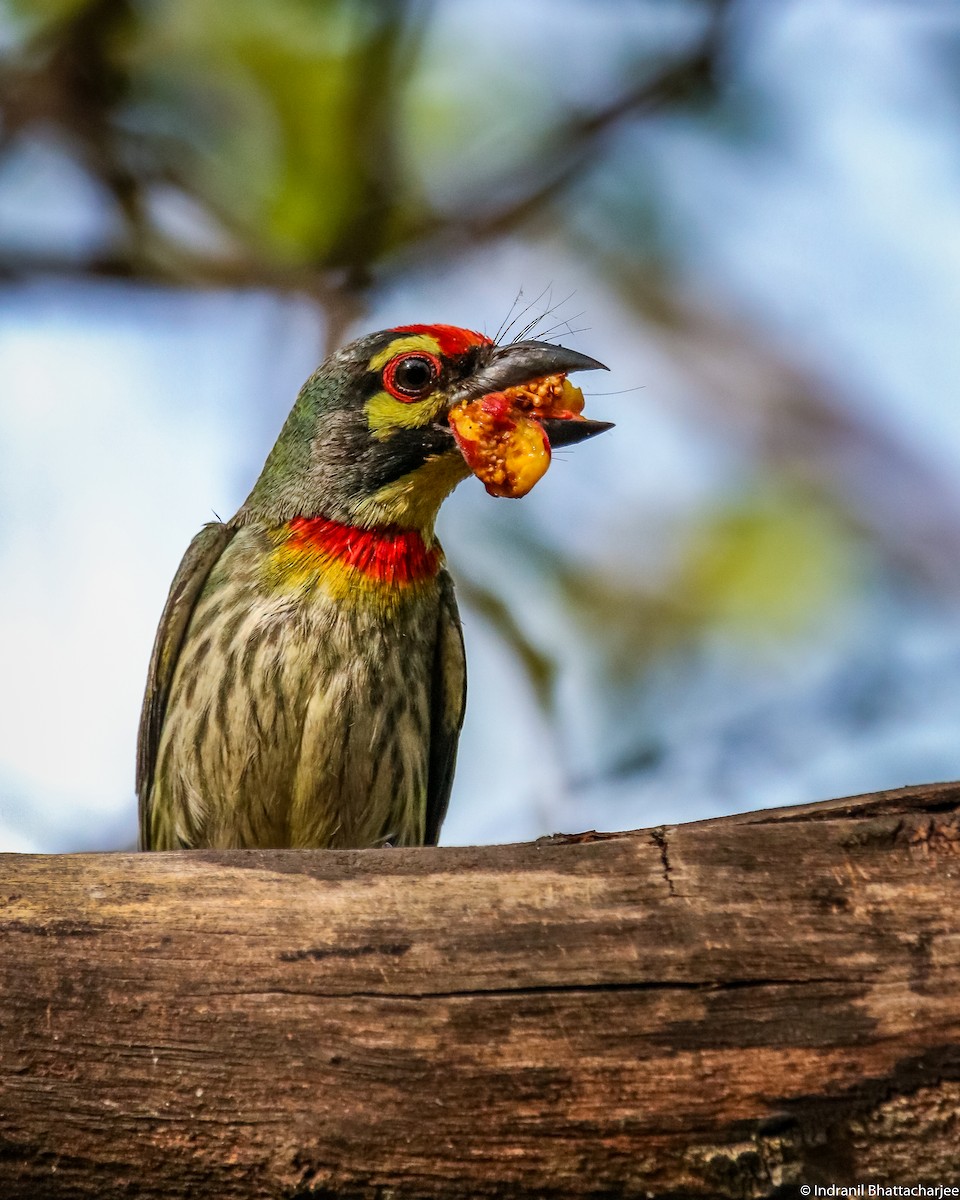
(726, 1008)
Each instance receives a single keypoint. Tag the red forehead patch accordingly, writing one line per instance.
(450, 339)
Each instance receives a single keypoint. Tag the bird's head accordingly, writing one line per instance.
(370, 440)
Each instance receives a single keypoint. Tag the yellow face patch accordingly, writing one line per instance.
(412, 502)
(408, 344)
(384, 412)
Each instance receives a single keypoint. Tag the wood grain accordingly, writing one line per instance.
(727, 1008)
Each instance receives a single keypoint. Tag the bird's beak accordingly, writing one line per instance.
(523, 362)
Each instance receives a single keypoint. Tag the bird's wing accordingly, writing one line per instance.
(201, 555)
(449, 697)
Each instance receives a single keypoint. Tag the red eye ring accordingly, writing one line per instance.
(413, 376)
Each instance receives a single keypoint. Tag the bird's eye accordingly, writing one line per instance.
(411, 376)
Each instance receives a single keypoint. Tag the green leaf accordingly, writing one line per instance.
(772, 562)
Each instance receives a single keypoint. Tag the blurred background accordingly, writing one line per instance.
(746, 595)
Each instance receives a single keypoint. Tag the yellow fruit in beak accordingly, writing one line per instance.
(501, 438)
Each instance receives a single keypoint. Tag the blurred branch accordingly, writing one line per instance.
(389, 56)
(54, 88)
(576, 145)
(72, 79)
(809, 430)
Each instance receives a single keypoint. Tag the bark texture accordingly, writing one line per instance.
(727, 1008)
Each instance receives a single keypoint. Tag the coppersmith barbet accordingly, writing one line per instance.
(307, 682)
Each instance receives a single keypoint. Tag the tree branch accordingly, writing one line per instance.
(718, 1009)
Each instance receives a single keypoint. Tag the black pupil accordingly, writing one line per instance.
(414, 375)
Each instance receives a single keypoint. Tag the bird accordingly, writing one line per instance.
(308, 680)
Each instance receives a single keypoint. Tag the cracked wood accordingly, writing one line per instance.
(726, 1008)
